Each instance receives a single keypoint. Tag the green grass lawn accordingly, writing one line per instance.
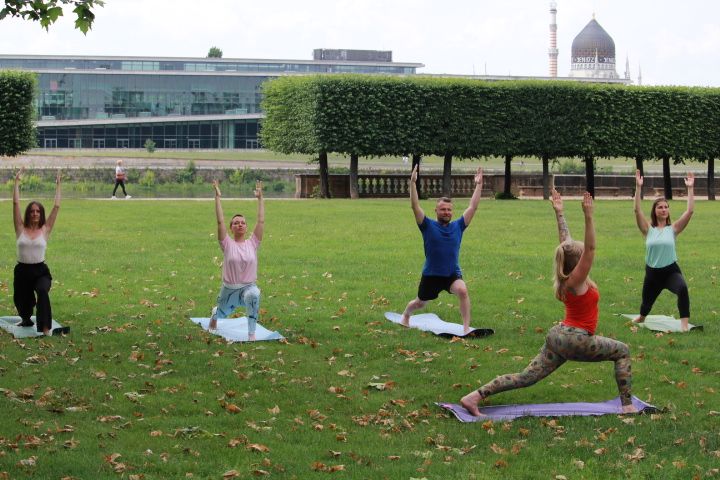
(137, 391)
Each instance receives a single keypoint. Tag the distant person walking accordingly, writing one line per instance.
(120, 179)
(661, 268)
(32, 279)
(240, 262)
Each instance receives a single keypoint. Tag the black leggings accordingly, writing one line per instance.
(657, 279)
(119, 183)
(33, 279)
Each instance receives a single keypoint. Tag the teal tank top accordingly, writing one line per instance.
(660, 247)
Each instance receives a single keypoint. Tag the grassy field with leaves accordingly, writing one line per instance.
(137, 391)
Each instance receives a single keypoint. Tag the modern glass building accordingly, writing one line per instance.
(185, 103)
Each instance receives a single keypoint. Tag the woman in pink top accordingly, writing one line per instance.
(239, 263)
(32, 279)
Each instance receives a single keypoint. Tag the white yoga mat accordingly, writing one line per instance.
(429, 322)
(8, 324)
(661, 323)
(236, 329)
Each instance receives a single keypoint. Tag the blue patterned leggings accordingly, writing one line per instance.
(231, 298)
(568, 343)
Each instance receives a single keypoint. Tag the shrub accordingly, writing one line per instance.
(148, 179)
(504, 196)
(571, 166)
(237, 177)
(278, 187)
(149, 145)
(187, 174)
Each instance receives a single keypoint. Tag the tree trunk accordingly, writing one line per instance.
(590, 175)
(546, 177)
(507, 192)
(447, 175)
(667, 181)
(354, 176)
(416, 163)
(639, 166)
(324, 177)
(711, 179)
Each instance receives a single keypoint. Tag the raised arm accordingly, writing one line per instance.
(260, 224)
(640, 219)
(414, 201)
(222, 231)
(582, 269)
(17, 216)
(475, 200)
(50, 223)
(681, 223)
(557, 204)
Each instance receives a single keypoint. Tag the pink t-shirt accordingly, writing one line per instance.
(240, 263)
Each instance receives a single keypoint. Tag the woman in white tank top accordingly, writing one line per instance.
(32, 279)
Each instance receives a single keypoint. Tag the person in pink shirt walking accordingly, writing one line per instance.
(239, 271)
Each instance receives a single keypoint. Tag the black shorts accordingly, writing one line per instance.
(431, 286)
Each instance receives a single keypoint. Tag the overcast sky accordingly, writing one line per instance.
(674, 43)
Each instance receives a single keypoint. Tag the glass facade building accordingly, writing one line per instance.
(113, 102)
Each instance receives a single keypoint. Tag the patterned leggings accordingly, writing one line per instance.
(568, 343)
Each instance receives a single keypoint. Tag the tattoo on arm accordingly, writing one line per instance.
(563, 230)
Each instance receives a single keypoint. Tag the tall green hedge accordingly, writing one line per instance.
(17, 114)
(371, 116)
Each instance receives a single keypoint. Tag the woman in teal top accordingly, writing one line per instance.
(661, 268)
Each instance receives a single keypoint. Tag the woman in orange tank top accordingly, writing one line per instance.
(574, 338)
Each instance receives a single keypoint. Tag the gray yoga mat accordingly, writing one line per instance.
(8, 324)
(511, 412)
(429, 322)
(662, 323)
(236, 329)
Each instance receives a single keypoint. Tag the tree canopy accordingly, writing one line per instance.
(214, 52)
(48, 11)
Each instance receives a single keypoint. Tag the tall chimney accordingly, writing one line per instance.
(553, 51)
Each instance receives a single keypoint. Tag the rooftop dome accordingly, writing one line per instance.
(593, 38)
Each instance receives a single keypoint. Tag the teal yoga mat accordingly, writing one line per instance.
(661, 323)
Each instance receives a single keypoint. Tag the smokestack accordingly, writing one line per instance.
(553, 51)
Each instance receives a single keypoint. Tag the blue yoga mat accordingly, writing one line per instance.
(236, 329)
(429, 322)
(511, 412)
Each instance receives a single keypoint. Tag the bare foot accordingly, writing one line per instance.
(639, 319)
(405, 320)
(251, 337)
(629, 409)
(213, 324)
(684, 324)
(467, 330)
(470, 403)
(46, 332)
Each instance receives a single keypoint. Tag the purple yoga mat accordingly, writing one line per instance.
(511, 412)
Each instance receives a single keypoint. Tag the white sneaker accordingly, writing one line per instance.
(127, 197)
(113, 197)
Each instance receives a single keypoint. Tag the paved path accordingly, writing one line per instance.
(45, 161)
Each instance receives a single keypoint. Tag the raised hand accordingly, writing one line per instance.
(690, 180)
(587, 204)
(216, 186)
(258, 189)
(479, 176)
(58, 178)
(414, 174)
(556, 201)
(638, 178)
(18, 175)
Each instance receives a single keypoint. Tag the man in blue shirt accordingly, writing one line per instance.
(441, 240)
